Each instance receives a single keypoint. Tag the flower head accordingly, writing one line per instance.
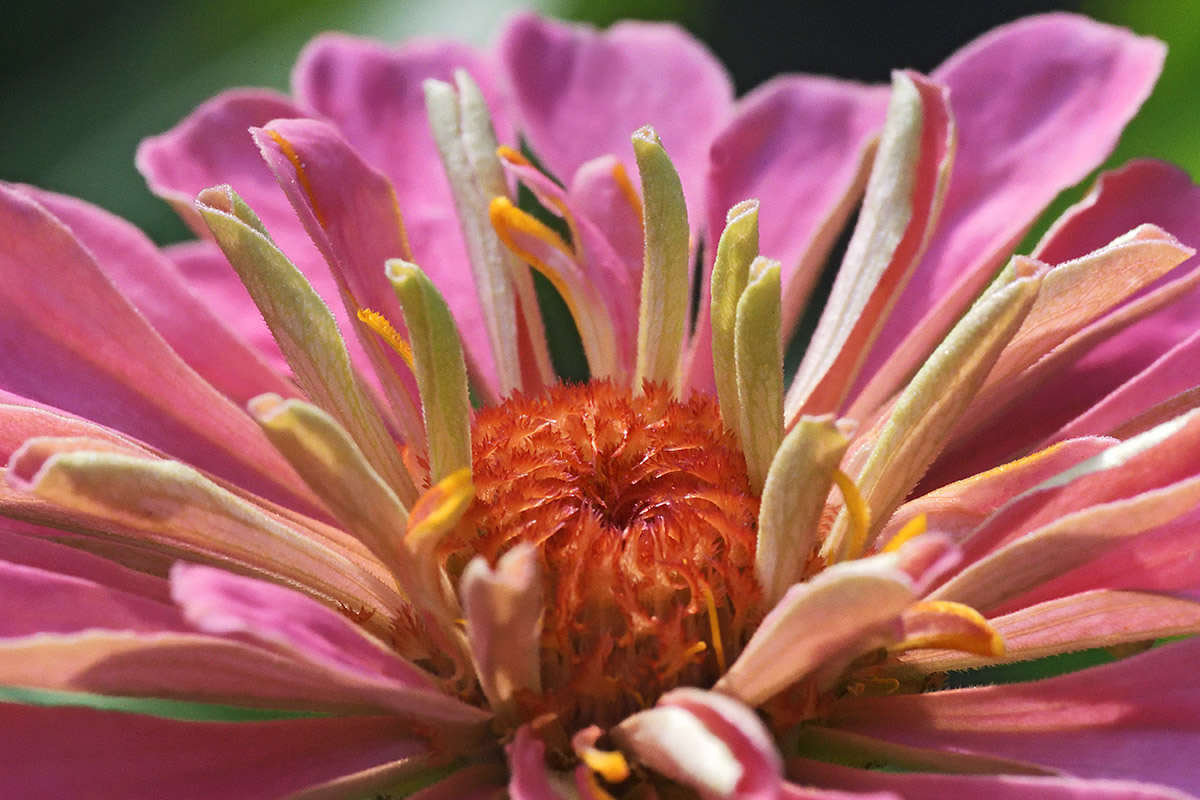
(684, 576)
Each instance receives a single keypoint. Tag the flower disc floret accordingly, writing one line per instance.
(645, 524)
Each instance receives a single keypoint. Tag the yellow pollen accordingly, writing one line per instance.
(910, 530)
(512, 156)
(378, 323)
(714, 627)
(291, 155)
(621, 178)
(856, 508)
(976, 635)
(596, 791)
(609, 764)
(509, 222)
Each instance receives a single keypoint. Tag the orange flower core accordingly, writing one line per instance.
(644, 522)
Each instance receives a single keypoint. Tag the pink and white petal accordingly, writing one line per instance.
(74, 342)
(349, 210)
(110, 755)
(210, 276)
(1097, 618)
(901, 206)
(913, 786)
(503, 609)
(1039, 103)
(842, 611)
(639, 73)
(707, 741)
(958, 509)
(373, 94)
(152, 284)
(1130, 720)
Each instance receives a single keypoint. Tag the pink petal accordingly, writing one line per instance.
(796, 125)
(893, 228)
(40, 601)
(349, 210)
(109, 755)
(210, 276)
(1149, 191)
(639, 73)
(1133, 719)
(19, 423)
(959, 508)
(153, 285)
(978, 787)
(1097, 618)
(598, 194)
(1160, 560)
(820, 625)
(373, 94)
(76, 343)
(783, 135)
(530, 777)
(69, 562)
(1039, 103)
(504, 608)
(212, 146)
(219, 602)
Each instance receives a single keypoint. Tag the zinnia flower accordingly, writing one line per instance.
(674, 579)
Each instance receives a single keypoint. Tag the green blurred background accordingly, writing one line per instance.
(82, 82)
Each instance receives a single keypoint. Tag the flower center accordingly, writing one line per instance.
(645, 527)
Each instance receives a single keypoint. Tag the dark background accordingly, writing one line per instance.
(82, 82)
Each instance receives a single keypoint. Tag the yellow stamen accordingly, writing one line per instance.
(596, 791)
(910, 530)
(860, 515)
(609, 764)
(507, 219)
(982, 639)
(378, 323)
(512, 156)
(291, 155)
(440, 508)
(621, 178)
(714, 627)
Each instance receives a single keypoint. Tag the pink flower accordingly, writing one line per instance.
(677, 574)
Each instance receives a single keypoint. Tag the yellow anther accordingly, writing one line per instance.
(979, 638)
(608, 764)
(856, 508)
(621, 178)
(440, 508)
(714, 627)
(378, 323)
(508, 221)
(291, 155)
(512, 156)
(595, 790)
(911, 529)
